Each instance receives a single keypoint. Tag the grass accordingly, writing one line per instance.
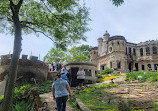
(153, 104)
(143, 76)
(92, 98)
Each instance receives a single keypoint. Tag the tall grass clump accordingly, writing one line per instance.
(92, 97)
(21, 106)
(143, 76)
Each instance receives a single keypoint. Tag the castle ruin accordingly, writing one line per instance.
(115, 52)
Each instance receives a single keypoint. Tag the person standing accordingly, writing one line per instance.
(60, 91)
(80, 76)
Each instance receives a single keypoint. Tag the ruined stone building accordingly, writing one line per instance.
(115, 52)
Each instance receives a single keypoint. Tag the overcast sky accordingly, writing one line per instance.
(136, 20)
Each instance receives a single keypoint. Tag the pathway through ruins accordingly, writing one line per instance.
(51, 103)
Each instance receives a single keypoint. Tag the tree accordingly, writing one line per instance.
(54, 54)
(62, 21)
(80, 53)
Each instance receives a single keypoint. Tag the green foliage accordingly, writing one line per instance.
(19, 91)
(1, 98)
(92, 98)
(80, 53)
(54, 55)
(153, 104)
(106, 71)
(143, 76)
(64, 22)
(117, 2)
(21, 106)
(95, 87)
(43, 87)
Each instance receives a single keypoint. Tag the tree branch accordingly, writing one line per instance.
(12, 6)
(31, 23)
(48, 8)
(19, 4)
(37, 31)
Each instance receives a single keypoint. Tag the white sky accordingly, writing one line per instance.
(136, 20)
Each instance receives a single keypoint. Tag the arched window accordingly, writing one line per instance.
(118, 42)
(154, 49)
(141, 51)
(134, 51)
(147, 50)
(118, 64)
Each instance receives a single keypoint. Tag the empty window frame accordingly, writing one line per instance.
(134, 51)
(119, 65)
(147, 50)
(129, 50)
(154, 48)
(110, 64)
(143, 68)
(141, 51)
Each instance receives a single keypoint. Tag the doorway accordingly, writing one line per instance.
(136, 66)
(130, 66)
(74, 81)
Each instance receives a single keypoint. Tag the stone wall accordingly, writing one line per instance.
(118, 50)
(28, 68)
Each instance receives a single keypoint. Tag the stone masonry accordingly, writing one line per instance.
(115, 52)
(28, 69)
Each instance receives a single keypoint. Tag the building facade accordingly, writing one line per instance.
(115, 52)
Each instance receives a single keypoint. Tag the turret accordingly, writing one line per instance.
(106, 36)
(100, 45)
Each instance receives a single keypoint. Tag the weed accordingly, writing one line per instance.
(153, 104)
(21, 106)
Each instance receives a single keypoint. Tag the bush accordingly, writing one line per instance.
(19, 91)
(106, 71)
(143, 76)
(21, 106)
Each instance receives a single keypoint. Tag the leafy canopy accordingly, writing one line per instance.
(80, 53)
(62, 21)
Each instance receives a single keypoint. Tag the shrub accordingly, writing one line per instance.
(106, 71)
(19, 91)
(143, 76)
(21, 106)
(1, 98)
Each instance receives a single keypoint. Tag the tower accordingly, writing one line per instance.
(106, 37)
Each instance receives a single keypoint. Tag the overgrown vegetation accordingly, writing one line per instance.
(21, 106)
(106, 71)
(43, 87)
(92, 98)
(143, 76)
(106, 75)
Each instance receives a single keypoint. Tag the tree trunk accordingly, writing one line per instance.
(9, 90)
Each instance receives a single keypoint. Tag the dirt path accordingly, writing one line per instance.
(51, 103)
